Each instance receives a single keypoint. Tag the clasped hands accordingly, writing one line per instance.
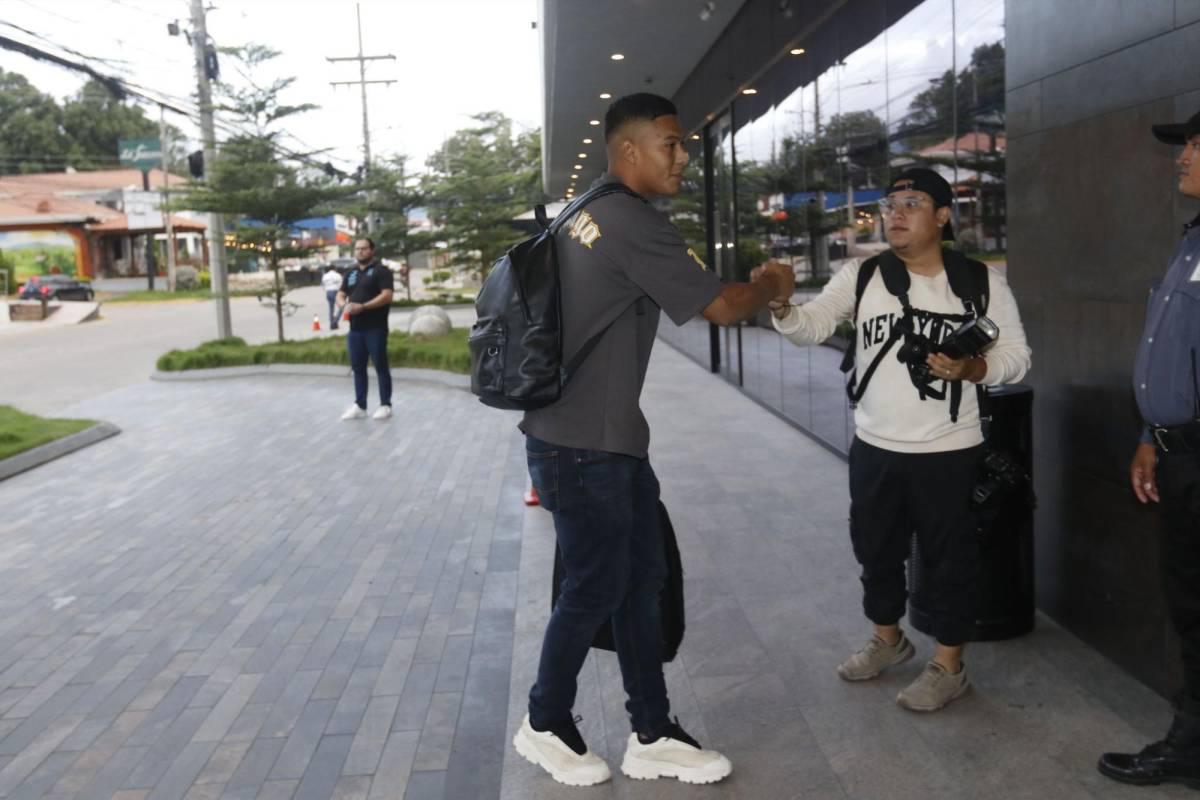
(783, 278)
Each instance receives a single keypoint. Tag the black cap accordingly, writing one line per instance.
(1178, 132)
(921, 179)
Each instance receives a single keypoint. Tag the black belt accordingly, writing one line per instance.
(1178, 438)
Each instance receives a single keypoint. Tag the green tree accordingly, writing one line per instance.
(31, 133)
(391, 194)
(980, 90)
(94, 121)
(252, 182)
(479, 179)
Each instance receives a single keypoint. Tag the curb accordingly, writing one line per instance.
(449, 380)
(23, 462)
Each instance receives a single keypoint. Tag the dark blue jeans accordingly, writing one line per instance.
(371, 343)
(332, 298)
(605, 508)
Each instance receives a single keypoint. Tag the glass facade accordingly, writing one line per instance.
(798, 178)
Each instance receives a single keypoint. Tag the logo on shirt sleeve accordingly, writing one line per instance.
(584, 229)
(697, 259)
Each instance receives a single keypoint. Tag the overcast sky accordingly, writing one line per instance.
(453, 58)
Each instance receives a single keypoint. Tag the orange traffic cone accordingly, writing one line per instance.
(316, 322)
(531, 497)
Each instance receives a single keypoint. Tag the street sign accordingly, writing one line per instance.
(144, 154)
(143, 210)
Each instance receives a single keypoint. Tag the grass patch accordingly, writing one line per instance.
(146, 296)
(447, 353)
(20, 431)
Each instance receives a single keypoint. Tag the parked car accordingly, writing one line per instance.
(56, 287)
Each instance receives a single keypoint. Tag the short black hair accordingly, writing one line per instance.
(642, 105)
(368, 240)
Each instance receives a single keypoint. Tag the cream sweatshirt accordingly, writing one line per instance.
(891, 414)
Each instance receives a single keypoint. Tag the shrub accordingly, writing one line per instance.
(187, 278)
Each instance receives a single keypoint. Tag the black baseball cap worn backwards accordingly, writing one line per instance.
(1178, 133)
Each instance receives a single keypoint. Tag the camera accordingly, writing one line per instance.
(999, 476)
(970, 339)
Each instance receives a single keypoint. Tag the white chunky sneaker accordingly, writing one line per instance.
(354, 412)
(383, 412)
(674, 754)
(561, 752)
(874, 657)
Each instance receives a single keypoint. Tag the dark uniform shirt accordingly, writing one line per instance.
(363, 284)
(620, 262)
(1164, 380)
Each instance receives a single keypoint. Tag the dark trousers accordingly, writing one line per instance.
(332, 298)
(606, 522)
(1178, 477)
(372, 343)
(892, 496)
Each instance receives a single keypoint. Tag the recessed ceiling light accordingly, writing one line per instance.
(593, 122)
(696, 136)
(797, 51)
(617, 56)
(749, 91)
(583, 155)
(579, 166)
(605, 95)
(587, 141)
(574, 176)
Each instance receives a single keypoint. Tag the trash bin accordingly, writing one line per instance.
(1004, 602)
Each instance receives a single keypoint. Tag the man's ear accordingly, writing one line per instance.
(628, 151)
(943, 215)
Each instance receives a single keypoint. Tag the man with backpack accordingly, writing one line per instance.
(918, 443)
(619, 263)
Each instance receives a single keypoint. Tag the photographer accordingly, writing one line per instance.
(918, 445)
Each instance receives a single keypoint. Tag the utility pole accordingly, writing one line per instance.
(165, 143)
(216, 225)
(362, 84)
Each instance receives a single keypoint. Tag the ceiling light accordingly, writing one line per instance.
(579, 166)
(583, 155)
(706, 11)
(587, 141)
(593, 122)
(797, 51)
(605, 95)
(749, 91)
(617, 56)
(573, 177)
(696, 136)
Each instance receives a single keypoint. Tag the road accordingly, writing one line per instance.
(46, 370)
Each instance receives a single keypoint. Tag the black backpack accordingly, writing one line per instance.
(516, 342)
(968, 280)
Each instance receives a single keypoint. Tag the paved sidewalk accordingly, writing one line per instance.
(241, 597)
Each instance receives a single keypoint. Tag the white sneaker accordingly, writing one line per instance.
(567, 759)
(674, 755)
(383, 412)
(354, 412)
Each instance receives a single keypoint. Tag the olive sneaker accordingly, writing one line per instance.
(934, 688)
(874, 657)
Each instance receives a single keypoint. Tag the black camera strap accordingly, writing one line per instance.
(968, 280)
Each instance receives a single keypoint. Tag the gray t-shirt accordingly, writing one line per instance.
(620, 262)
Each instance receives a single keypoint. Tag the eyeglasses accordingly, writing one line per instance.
(889, 206)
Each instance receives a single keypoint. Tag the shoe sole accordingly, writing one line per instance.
(926, 709)
(642, 770)
(530, 753)
(1191, 783)
(903, 656)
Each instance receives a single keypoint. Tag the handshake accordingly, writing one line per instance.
(782, 278)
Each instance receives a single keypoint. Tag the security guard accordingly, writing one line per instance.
(1166, 470)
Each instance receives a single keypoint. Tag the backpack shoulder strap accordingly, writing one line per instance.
(595, 193)
(968, 280)
(865, 272)
(895, 276)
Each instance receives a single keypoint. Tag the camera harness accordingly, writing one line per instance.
(968, 280)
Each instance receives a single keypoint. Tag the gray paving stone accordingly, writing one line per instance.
(414, 700)
(371, 737)
(256, 765)
(437, 734)
(303, 741)
(391, 779)
(323, 770)
(426, 786)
